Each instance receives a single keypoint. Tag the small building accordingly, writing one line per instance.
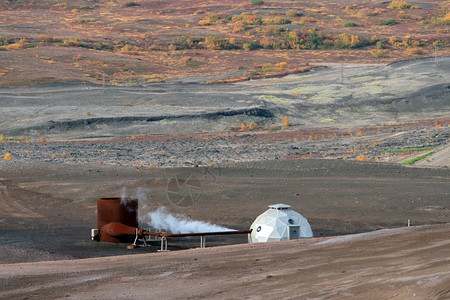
(279, 223)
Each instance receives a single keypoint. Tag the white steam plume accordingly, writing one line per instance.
(140, 195)
(123, 195)
(163, 219)
(142, 202)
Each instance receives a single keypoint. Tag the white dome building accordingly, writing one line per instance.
(279, 223)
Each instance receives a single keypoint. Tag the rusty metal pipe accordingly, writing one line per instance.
(118, 230)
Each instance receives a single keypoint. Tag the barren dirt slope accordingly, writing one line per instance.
(337, 96)
(398, 263)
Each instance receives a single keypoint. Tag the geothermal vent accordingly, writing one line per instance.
(117, 222)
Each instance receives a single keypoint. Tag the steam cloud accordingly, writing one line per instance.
(123, 196)
(163, 219)
(140, 195)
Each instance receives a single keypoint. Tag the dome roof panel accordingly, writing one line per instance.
(274, 224)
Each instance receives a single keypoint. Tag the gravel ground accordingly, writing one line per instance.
(366, 96)
(204, 150)
(47, 209)
(366, 114)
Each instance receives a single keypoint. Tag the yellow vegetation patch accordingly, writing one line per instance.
(361, 157)
(399, 5)
(327, 120)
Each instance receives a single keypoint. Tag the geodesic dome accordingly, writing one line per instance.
(279, 223)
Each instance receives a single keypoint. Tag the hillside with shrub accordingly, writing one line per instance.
(135, 42)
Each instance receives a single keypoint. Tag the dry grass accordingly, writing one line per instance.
(119, 39)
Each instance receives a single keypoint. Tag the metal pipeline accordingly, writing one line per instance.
(117, 222)
(118, 230)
